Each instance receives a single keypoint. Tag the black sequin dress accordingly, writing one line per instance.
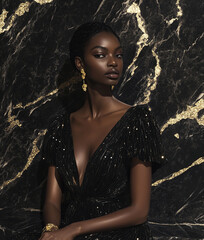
(106, 185)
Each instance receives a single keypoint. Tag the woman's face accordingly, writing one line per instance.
(103, 60)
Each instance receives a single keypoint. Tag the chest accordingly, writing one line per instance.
(92, 151)
(87, 137)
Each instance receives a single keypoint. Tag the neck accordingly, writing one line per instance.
(98, 101)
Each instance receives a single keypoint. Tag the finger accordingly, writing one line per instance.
(44, 236)
(52, 236)
(41, 237)
(48, 236)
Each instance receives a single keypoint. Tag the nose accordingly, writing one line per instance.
(112, 61)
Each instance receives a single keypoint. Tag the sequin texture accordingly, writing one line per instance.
(106, 184)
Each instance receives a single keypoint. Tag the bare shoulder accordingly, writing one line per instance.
(121, 106)
(80, 114)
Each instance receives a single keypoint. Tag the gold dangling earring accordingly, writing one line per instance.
(83, 76)
(112, 87)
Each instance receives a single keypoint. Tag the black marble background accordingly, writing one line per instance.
(163, 42)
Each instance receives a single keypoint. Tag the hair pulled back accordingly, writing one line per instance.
(82, 36)
(73, 97)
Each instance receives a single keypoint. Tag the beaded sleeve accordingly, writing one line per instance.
(144, 139)
(49, 142)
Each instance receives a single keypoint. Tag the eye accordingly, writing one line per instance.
(99, 55)
(119, 55)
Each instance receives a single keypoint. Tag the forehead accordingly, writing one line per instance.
(103, 39)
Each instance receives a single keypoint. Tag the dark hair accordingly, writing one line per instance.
(82, 35)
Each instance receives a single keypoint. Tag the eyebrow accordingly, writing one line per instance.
(104, 48)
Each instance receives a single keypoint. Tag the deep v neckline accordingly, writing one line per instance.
(97, 149)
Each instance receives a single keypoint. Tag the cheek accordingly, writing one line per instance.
(121, 64)
(96, 67)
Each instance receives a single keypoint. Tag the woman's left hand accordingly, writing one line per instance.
(67, 233)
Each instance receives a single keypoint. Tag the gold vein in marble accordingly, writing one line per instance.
(20, 105)
(181, 171)
(177, 224)
(152, 82)
(12, 120)
(41, 2)
(32, 155)
(3, 229)
(176, 135)
(144, 38)
(142, 42)
(55, 91)
(180, 11)
(179, 14)
(99, 7)
(134, 8)
(31, 210)
(22, 8)
(3, 16)
(192, 45)
(190, 113)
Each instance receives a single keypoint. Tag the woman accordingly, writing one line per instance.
(101, 154)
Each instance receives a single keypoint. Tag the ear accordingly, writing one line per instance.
(79, 63)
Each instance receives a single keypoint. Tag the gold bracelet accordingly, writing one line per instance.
(49, 227)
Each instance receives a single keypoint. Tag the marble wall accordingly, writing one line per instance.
(163, 42)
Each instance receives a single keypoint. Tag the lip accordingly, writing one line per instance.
(113, 74)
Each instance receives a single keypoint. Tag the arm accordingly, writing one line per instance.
(136, 213)
(52, 205)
